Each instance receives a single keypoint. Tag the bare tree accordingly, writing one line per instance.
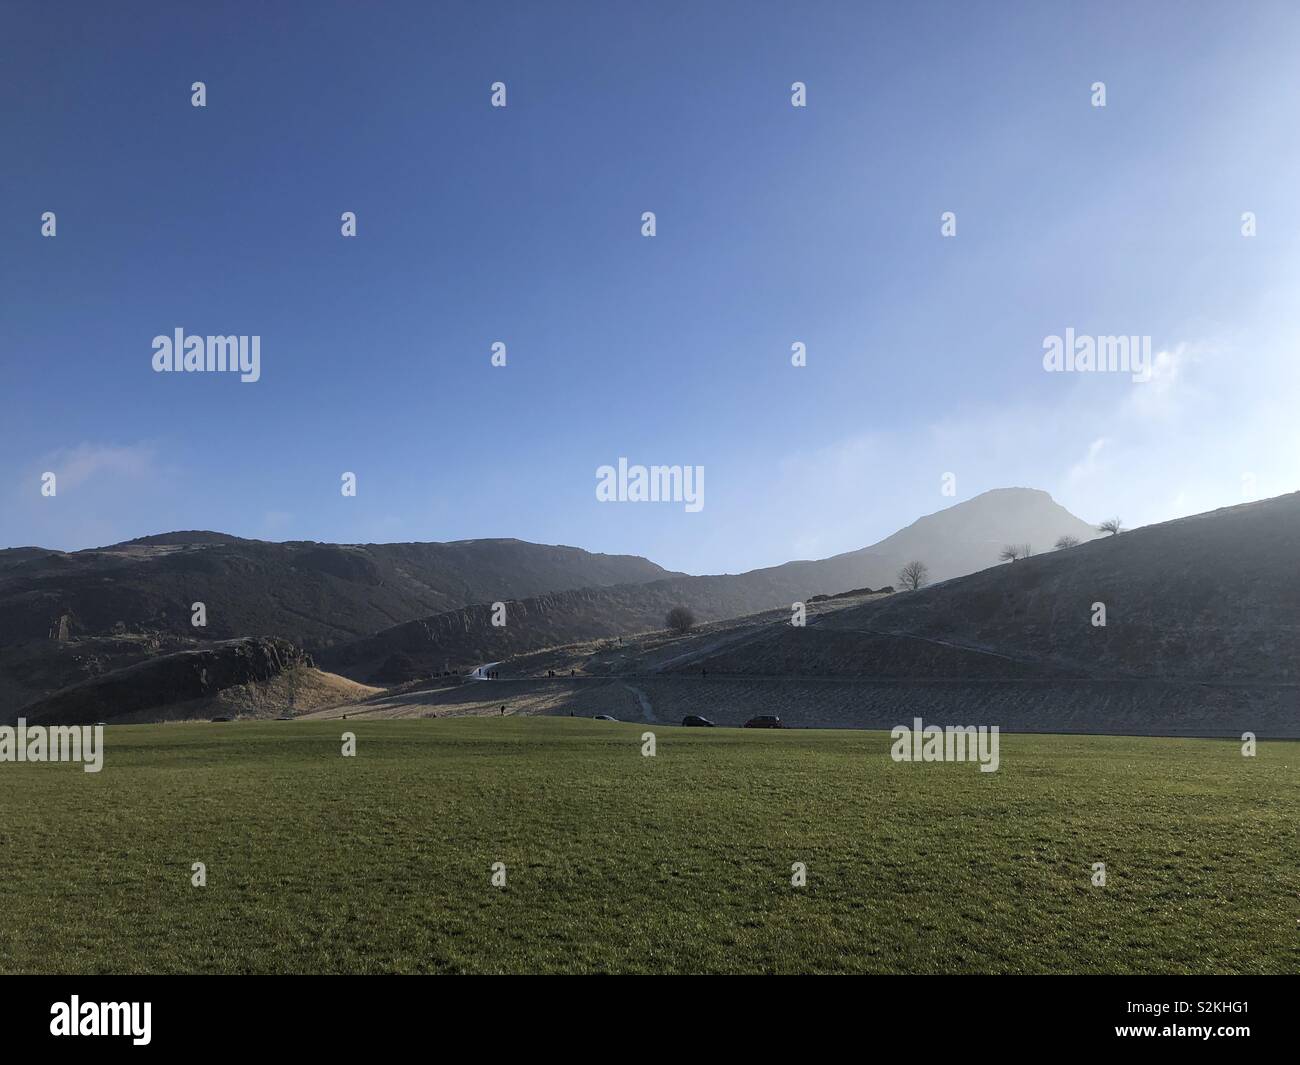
(1014, 551)
(1110, 525)
(1067, 541)
(680, 620)
(914, 575)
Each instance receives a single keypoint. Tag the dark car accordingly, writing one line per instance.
(694, 720)
(764, 722)
(604, 717)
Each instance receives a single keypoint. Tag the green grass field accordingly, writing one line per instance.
(618, 862)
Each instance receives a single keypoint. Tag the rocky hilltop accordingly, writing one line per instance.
(179, 677)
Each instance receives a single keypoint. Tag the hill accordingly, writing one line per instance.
(390, 612)
(966, 536)
(248, 677)
(1202, 637)
(467, 637)
(957, 540)
(1211, 598)
(309, 593)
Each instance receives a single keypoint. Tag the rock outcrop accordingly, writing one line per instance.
(172, 678)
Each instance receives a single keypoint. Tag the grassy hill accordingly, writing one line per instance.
(967, 536)
(467, 636)
(389, 612)
(309, 593)
(1202, 636)
(1214, 598)
(67, 618)
(620, 863)
(954, 541)
(250, 677)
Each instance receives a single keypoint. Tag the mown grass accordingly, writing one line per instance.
(618, 862)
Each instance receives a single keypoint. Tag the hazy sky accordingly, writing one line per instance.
(522, 224)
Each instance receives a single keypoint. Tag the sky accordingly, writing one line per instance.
(523, 224)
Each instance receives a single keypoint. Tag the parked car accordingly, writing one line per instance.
(694, 720)
(604, 717)
(764, 722)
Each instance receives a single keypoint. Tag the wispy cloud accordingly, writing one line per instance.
(1185, 441)
(87, 462)
(101, 491)
(1088, 465)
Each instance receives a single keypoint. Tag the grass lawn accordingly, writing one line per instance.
(618, 862)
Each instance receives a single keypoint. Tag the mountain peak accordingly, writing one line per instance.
(188, 536)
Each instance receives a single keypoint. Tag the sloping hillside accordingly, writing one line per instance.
(967, 535)
(248, 677)
(306, 592)
(1214, 597)
(1202, 637)
(386, 613)
(37, 668)
(960, 539)
(315, 594)
(466, 637)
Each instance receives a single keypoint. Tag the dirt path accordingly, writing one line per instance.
(647, 711)
(730, 639)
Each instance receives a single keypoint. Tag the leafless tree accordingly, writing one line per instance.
(1110, 525)
(914, 575)
(1067, 541)
(680, 620)
(1014, 551)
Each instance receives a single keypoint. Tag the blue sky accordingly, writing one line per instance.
(775, 225)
